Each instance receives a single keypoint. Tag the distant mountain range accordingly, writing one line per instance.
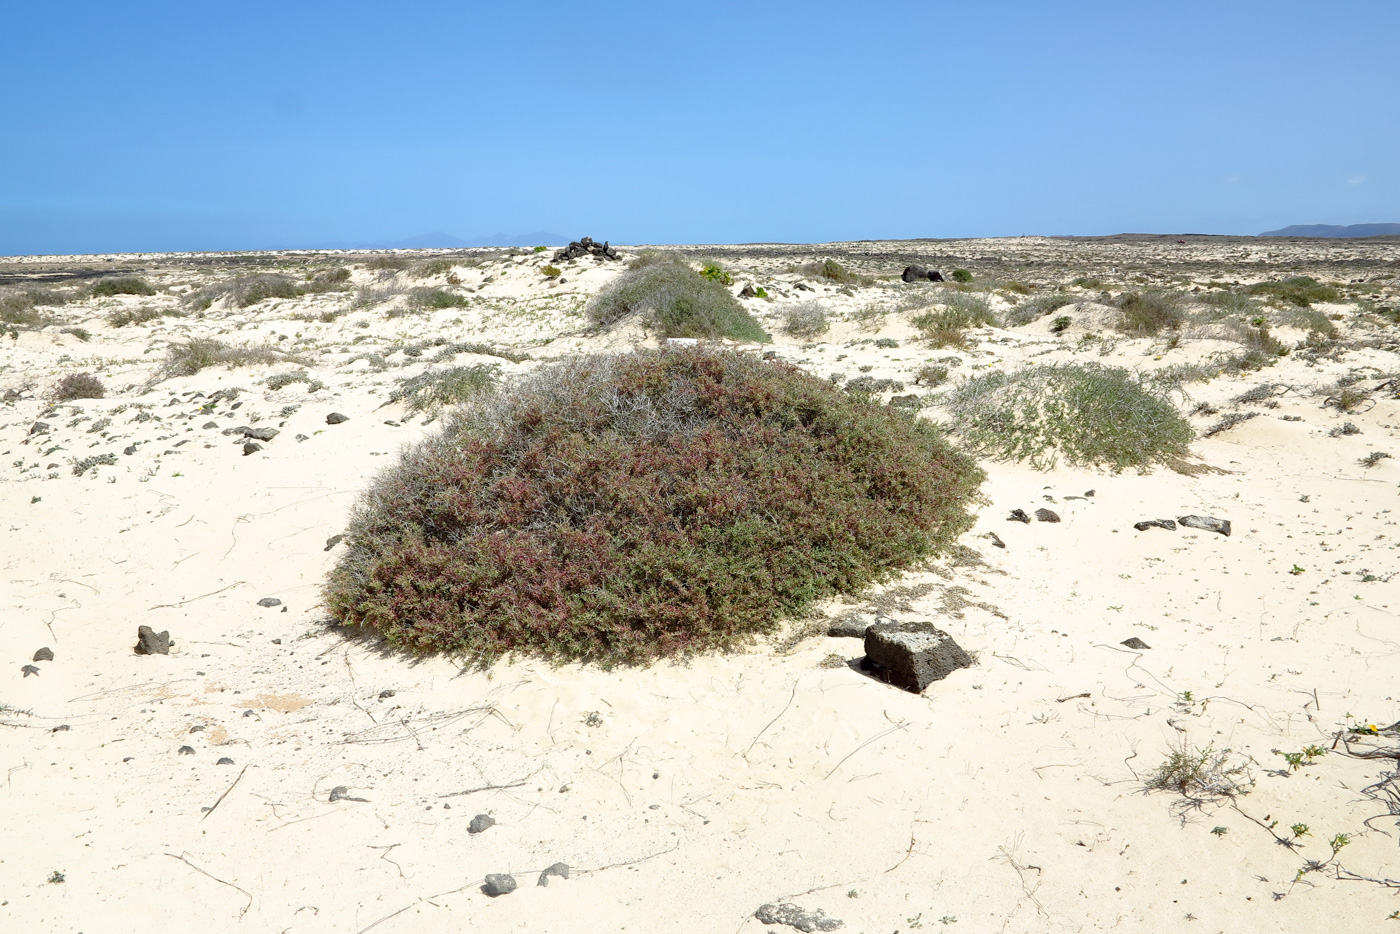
(1332, 230)
(446, 241)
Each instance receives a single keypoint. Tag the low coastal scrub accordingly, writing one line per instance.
(676, 301)
(1090, 415)
(618, 509)
(1036, 308)
(187, 358)
(430, 299)
(947, 326)
(1147, 314)
(1296, 290)
(431, 391)
(807, 319)
(20, 306)
(76, 386)
(122, 285)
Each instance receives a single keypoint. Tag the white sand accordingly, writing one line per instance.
(1009, 797)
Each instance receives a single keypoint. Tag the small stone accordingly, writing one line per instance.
(276, 641)
(558, 869)
(210, 425)
(499, 883)
(29, 670)
(335, 418)
(387, 693)
(391, 423)
(481, 822)
(260, 434)
(1047, 515)
(43, 655)
(61, 728)
(197, 728)
(1206, 524)
(150, 642)
(1135, 643)
(912, 655)
(185, 751)
(224, 761)
(1018, 515)
(130, 450)
(251, 447)
(1146, 524)
(791, 915)
(852, 626)
(746, 292)
(249, 713)
(333, 541)
(996, 539)
(269, 601)
(301, 438)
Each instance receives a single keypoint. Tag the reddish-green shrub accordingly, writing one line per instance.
(76, 386)
(620, 508)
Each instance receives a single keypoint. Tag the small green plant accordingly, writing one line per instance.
(431, 267)
(551, 272)
(1036, 308)
(1297, 290)
(930, 375)
(887, 343)
(250, 290)
(1089, 415)
(1147, 314)
(81, 467)
(1200, 775)
(55, 877)
(1220, 831)
(1374, 458)
(1296, 570)
(540, 249)
(830, 270)
(1300, 830)
(76, 386)
(432, 390)
(1061, 324)
(122, 285)
(1089, 282)
(123, 317)
(283, 380)
(189, 357)
(960, 275)
(715, 273)
(760, 292)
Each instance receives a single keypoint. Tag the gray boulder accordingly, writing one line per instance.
(1047, 515)
(150, 642)
(1206, 524)
(912, 655)
(920, 274)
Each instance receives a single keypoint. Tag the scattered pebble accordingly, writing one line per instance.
(481, 822)
(185, 751)
(150, 642)
(499, 883)
(269, 601)
(558, 869)
(43, 655)
(335, 418)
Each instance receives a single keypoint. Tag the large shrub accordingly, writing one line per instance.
(676, 301)
(1146, 314)
(1092, 416)
(621, 508)
(122, 285)
(1296, 290)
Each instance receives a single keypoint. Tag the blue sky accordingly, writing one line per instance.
(153, 126)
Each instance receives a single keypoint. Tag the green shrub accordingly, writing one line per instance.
(540, 249)
(127, 316)
(677, 302)
(329, 280)
(249, 290)
(945, 327)
(715, 273)
(829, 269)
(76, 386)
(1310, 319)
(431, 267)
(807, 319)
(1036, 308)
(432, 390)
(1146, 314)
(960, 275)
(1296, 290)
(82, 334)
(18, 308)
(651, 258)
(451, 350)
(282, 380)
(189, 357)
(930, 375)
(1089, 282)
(122, 285)
(82, 466)
(387, 263)
(430, 299)
(1090, 415)
(550, 271)
(618, 509)
(1061, 324)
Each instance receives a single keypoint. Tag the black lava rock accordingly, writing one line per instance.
(1018, 515)
(260, 434)
(224, 761)
(481, 822)
(335, 418)
(1135, 643)
(499, 883)
(269, 601)
(29, 670)
(150, 642)
(43, 655)
(251, 447)
(912, 655)
(1047, 515)
(1146, 524)
(1206, 524)
(185, 751)
(558, 869)
(920, 274)
(746, 292)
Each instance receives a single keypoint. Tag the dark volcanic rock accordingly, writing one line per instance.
(585, 247)
(1018, 515)
(912, 655)
(185, 751)
(1146, 524)
(1206, 524)
(791, 915)
(499, 883)
(748, 291)
(335, 418)
(558, 869)
(29, 670)
(852, 626)
(150, 642)
(224, 761)
(251, 447)
(1135, 643)
(260, 434)
(1046, 515)
(920, 274)
(43, 655)
(269, 601)
(481, 822)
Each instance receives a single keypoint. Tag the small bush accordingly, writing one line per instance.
(652, 258)
(430, 299)
(76, 386)
(189, 357)
(282, 380)
(369, 295)
(329, 280)
(431, 267)
(1374, 458)
(123, 317)
(550, 272)
(1297, 290)
(869, 385)
(830, 270)
(715, 273)
(1310, 319)
(18, 308)
(618, 509)
(250, 290)
(676, 301)
(387, 263)
(930, 375)
(946, 327)
(81, 467)
(1147, 314)
(1200, 774)
(1092, 416)
(540, 249)
(1036, 308)
(122, 285)
(960, 275)
(451, 350)
(1228, 422)
(807, 319)
(1089, 282)
(1061, 324)
(82, 334)
(432, 390)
